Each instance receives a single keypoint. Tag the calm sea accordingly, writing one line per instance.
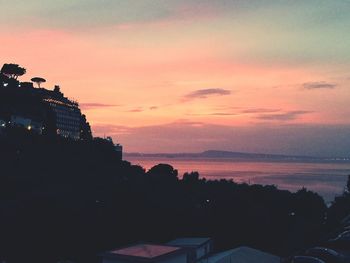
(326, 178)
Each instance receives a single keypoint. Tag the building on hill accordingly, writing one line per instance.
(29, 124)
(68, 117)
(117, 147)
(119, 150)
(40, 109)
(22, 109)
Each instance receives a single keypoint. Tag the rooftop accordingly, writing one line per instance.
(189, 241)
(244, 255)
(145, 251)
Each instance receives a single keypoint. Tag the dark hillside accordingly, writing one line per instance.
(70, 199)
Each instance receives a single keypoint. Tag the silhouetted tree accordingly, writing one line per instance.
(340, 207)
(191, 177)
(163, 172)
(38, 80)
(12, 70)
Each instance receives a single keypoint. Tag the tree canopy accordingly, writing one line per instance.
(12, 71)
(163, 172)
(38, 80)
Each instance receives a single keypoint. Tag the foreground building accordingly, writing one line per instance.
(198, 247)
(242, 255)
(186, 250)
(146, 253)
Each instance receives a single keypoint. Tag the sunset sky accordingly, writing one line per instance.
(192, 75)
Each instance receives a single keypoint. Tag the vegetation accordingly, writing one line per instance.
(70, 200)
(12, 71)
(340, 207)
(38, 81)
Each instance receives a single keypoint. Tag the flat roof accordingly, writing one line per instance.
(245, 255)
(145, 251)
(189, 241)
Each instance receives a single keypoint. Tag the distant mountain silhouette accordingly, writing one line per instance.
(236, 155)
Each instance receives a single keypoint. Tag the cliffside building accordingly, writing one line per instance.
(39, 110)
(42, 111)
(68, 118)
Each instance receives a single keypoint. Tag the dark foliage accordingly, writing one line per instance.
(340, 207)
(12, 71)
(62, 199)
(163, 173)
